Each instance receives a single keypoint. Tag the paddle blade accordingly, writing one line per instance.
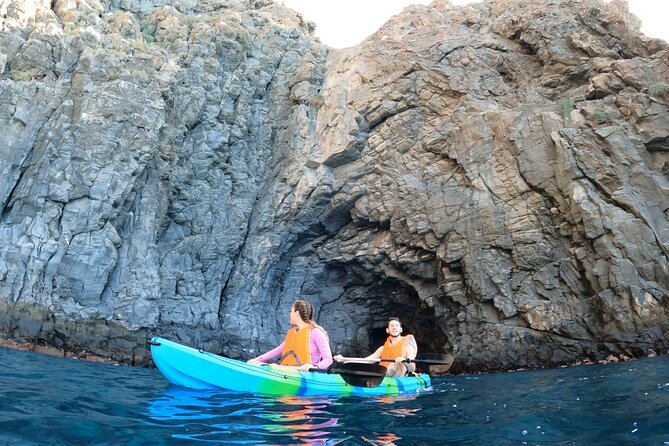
(360, 375)
(437, 363)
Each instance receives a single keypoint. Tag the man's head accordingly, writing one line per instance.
(394, 327)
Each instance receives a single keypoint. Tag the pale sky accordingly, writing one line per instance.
(344, 23)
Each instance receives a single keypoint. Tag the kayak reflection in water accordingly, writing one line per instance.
(306, 345)
(222, 417)
(306, 420)
(395, 351)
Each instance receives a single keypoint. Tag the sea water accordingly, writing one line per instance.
(46, 400)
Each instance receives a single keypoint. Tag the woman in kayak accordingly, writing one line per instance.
(306, 346)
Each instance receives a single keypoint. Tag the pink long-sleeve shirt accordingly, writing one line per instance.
(321, 355)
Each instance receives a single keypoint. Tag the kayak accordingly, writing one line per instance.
(197, 369)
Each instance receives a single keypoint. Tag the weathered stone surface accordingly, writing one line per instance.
(495, 174)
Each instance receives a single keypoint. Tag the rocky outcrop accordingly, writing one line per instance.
(495, 174)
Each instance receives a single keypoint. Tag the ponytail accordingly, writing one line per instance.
(306, 311)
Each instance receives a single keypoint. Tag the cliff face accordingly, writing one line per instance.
(494, 174)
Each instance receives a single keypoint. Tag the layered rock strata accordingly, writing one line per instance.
(495, 174)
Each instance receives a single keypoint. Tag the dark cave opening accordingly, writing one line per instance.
(391, 297)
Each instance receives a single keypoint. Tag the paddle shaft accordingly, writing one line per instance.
(372, 360)
(375, 360)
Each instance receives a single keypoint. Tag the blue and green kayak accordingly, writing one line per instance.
(196, 369)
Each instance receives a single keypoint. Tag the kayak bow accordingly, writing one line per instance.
(196, 369)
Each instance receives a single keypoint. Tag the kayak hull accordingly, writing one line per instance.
(196, 369)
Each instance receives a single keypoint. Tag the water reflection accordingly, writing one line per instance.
(382, 439)
(388, 407)
(237, 418)
(305, 420)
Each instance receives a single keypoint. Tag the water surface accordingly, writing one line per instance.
(46, 400)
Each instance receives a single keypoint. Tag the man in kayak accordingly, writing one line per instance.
(306, 345)
(395, 351)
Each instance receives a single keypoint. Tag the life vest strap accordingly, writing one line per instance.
(289, 353)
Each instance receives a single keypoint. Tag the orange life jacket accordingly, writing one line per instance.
(392, 350)
(297, 342)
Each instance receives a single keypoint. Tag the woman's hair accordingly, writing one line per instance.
(306, 312)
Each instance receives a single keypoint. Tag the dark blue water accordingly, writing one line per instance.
(46, 400)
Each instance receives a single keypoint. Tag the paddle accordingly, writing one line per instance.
(425, 358)
(360, 374)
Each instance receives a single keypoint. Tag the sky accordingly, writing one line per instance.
(344, 23)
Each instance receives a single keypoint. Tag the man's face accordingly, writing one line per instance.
(394, 328)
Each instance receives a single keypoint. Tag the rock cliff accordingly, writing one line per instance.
(495, 174)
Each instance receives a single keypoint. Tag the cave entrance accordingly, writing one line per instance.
(394, 298)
